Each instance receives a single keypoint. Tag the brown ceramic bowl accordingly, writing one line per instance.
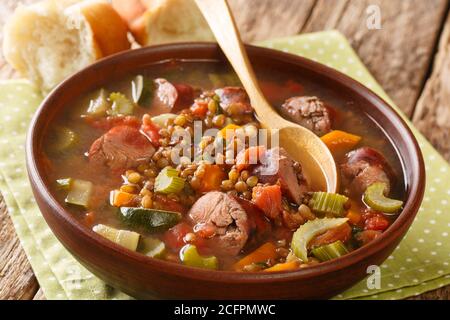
(141, 276)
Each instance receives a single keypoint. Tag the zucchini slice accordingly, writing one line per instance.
(125, 238)
(151, 220)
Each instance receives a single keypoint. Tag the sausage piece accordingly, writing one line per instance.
(228, 221)
(309, 112)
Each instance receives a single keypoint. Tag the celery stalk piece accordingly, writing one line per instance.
(141, 90)
(190, 257)
(328, 203)
(80, 192)
(125, 238)
(330, 251)
(152, 247)
(62, 138)
(374, 197)
(120, 105)
(168, 181)
(308, 231)
(100, 105)
(161, 120)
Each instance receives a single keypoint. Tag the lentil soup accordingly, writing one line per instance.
(110, 162)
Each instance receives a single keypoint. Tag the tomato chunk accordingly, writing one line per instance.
(268, 199)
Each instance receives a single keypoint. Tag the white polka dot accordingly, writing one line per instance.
(414, 249)
(350, 61)
(439, 244)
(396, 276)
(335, 56)
(426, 231)
(444, 234)
(408, 260)
(7, 118)
(321, 52)
(415, 280)
(390, 285)
(420, 240)
(432, 221)
(398, 290)
(432, 189)
(306, 46)
(433, 253)
(440, 271)
(444, 202)
(437, 180)
(421, 270)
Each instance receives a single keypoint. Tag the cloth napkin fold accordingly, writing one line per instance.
(419, 264)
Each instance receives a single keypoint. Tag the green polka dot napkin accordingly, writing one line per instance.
(420, 263)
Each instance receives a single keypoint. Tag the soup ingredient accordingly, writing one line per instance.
(342, 233)
(120, 105)
(120, 148)
(286, 266)
(124, 238)
(162, 119)
(328, 203)
(152, 247)
(190, 257)
(363, 167)
(234, 101)
(100, 105)
(80, 193)
(224, 219)
(151, 220)
(170, 97)
(121, 198)
(228, 131)
(174, 237)
(366, 236)
(277, 165)
(308, 231)
(261, 255)
(168, 181)
(212, 178)
(50, 40)
(62, 138)
(329, 251)
(375, 221)
(268, 199)
(339, 141)
(250, 156)
(141, 90)
(375, 198)
(64, 184)
(309, 112)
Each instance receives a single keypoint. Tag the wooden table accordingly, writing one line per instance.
(409, 56)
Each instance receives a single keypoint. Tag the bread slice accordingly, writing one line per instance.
(52, 39)
(163, 21)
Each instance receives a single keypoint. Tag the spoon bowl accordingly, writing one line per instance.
(301, 144)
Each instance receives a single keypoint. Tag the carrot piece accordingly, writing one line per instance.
(354, 213)
(287, 266)
(199, 109)
(120, 198)
(249, 156)
(212, 179)
(268, 199)
(338, 140)
(262, 254)
(231, 127)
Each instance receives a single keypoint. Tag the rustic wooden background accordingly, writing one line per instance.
(409, 56)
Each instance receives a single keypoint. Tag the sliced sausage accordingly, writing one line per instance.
(277, 165)
(171, 97)
(221, 213)
(234, 101)
(363, 167)
(309, 112)
(120, 148)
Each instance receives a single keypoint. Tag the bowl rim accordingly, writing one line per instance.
(411, 207)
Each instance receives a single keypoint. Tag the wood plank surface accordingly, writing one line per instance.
(432, 114)
(399, 56)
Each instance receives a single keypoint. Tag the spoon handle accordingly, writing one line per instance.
(218, 15)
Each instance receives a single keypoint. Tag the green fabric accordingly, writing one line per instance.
(419, 264)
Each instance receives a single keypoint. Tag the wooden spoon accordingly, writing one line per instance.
(303, 145)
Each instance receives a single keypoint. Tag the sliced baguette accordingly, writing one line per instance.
(155, 22)
(52, 39)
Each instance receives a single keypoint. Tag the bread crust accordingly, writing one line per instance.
(109, 30)
(163, 21)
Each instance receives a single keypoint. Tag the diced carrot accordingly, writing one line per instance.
(262, 254)
(338, 140)
(230, 129)
(213, 178)
(249, 156)
(287, 266)
(354, 217)
(268, 199)
(120, 198)
(199, 109)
